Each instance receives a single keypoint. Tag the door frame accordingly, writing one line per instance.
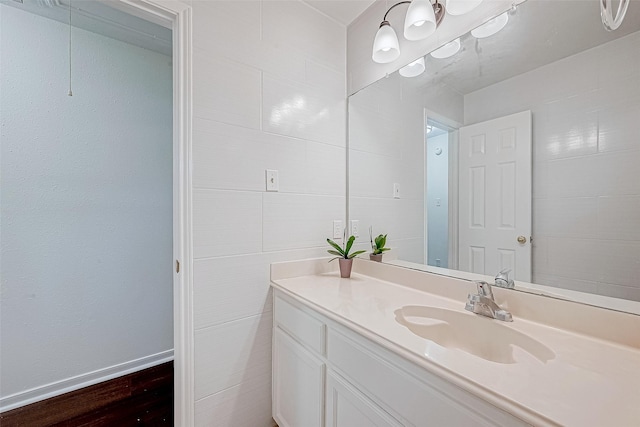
(177, 16)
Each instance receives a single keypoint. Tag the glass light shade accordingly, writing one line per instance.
(447, 50)
(460, 7)
(420, 21)
(491, 27)
(413, 69)
(385, 45)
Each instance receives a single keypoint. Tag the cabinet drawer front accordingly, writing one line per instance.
(303, 327)
(423, 402)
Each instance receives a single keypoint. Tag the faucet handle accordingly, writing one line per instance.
(484, 289)
(502, 279)
(503, 315)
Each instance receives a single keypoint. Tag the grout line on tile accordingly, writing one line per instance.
(230, 321)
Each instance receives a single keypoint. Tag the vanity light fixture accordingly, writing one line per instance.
(609, 21)
(447, 50)
(491, 27)
(413, 69)
(422, 20)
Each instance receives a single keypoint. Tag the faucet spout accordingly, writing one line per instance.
(502, 279)
(484, 289)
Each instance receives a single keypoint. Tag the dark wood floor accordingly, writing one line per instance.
(143, 398)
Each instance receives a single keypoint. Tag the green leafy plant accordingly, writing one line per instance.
(343, 251)
(377, 244)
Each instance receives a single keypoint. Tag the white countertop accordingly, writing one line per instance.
(590, 382)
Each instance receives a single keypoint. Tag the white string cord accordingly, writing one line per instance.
(70, 93)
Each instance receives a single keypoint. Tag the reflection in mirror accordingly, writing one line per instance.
(565, 210)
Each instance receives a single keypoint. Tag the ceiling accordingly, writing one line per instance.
(99, 18)
(343, 11)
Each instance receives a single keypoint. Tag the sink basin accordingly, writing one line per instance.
(477, 335)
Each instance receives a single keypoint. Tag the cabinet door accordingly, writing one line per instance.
(347, 407)
(298, 385)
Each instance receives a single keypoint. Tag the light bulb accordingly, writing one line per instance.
(491, 27)
(413, 69)
(420, 21)
(385, 46)
(447, 50)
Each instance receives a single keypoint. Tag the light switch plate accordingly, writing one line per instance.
(355, 228)
(396, 191)
(273, 184)
(337, 229)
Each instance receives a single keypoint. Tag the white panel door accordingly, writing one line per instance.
(495, 196)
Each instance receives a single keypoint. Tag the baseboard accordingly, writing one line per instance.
(84, 380)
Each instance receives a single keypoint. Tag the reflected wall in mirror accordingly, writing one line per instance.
(581, 85)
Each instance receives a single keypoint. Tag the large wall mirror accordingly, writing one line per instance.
(516, 151)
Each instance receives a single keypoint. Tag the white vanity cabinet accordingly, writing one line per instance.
(298, 366)
(328, 375)
(298, 389)
(345, 406)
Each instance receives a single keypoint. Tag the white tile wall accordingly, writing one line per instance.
(300, 28)
(218, 282)
(386, 147)
(237, 102)
(586, 185)
(227, 354)
(380, 213)
(247, 404)
(298, 220)
(235, 158)
(269, 93)
(226, 223)
(302, 111)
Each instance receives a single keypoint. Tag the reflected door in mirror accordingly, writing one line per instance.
(495, 206)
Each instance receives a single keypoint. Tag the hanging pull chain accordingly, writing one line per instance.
(70, 93)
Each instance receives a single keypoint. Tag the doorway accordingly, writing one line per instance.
(437, 200)
(175, 16)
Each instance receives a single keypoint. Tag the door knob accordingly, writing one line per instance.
(522, 240)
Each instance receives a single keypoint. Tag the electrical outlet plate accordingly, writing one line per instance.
(337, 229)
(273, 184)
(355, 228)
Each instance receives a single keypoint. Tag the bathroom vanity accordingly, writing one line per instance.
(395, 347)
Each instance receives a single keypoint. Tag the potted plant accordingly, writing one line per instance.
(342, 254)
(377, 246)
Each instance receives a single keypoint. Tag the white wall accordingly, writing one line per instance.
(86, 208)
(438, 200)
(269, 93)
(386, 147)
(586, 186)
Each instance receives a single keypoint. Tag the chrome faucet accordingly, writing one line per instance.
(502, 279)
(484, 304)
